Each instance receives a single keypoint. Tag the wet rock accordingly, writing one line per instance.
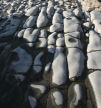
(42, 18)
(95, 80)
(23, 63)
(75, 59)
(30, 22)
(72, 42)
(59, 74)
(94, 42)
(57, 27)
(32, 11)
(94, 60)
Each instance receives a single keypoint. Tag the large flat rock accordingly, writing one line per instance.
(95, 81)
(94, 60)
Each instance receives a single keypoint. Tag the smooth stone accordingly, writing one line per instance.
(32, 101)
(32, 11)
(75, 59)
(51, 48)
(97, 24)
(72, 42)
(19, 77)
(31, 35)
(71, 25)
(68, 14)
(43, 33)
(58, 97)
(57, 18)
(94, 42)
(22, 65)
(21, 33)
(57, 27)
(50, 11)
(76, 96)
(95, 81)
(59, 67)
(37, 69)
(73, 34)
(60, 42)
(95, 15)
(94, 60)
(37, 60)
(41, 88)
(43, 42)
(42, 19)
(30, 22)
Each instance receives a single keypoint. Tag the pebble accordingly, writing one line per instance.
(22, 65)
(75, 59)
(58, 97)
(21, 33)
(50, 11)
(57, 18)
(19, 77)
(47, 67)
(57, 27)
(68, 14)
(30, 22)
(59, 75)
(42, 18)
(60, 42)
(32, 11)
(76, 96)
(78, 12)
(31, 35)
